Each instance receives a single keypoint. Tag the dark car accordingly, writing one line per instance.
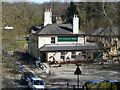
(26, 77)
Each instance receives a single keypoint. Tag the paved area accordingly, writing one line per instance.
(60, 76)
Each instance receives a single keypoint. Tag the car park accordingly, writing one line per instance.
(36, 83)
(26, 77)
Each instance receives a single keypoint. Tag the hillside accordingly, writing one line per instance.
(22, 16)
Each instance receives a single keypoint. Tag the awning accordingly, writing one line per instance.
(78, 47)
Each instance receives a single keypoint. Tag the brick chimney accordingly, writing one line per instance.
(58, 20)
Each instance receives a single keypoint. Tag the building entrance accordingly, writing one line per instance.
(44, 58)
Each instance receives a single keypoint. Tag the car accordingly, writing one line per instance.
(36, 83)
(90, 81)
(26, 77)
(110, 80)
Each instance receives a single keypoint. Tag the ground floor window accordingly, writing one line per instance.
(62, 55)
(73, 54)
(83, 54)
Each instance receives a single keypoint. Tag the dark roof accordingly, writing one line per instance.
(56, 29)
(109, 31)
(96, 32)
(35, 28)
(75, 47)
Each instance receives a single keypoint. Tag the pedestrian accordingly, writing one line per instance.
(68, 60)
(37, 64)
(64, 59)
(49, 62)
(39, 59)
(54, 60)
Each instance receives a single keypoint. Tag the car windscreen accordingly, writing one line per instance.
(38, 82)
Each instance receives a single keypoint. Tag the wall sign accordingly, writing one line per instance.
(67, 38)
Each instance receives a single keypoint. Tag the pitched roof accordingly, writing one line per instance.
(109, 31)
(96, 32)
(57, 29)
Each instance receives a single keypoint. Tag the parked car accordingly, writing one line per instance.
(36, 83)
(26, 76)
(109, 80)
(92, 81)
(85, 85)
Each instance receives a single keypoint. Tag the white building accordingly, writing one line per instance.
(61, 41)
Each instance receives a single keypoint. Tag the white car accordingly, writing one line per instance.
(36, 83)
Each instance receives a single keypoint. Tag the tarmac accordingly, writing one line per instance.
(63, 77)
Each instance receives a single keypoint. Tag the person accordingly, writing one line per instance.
(37, 64)
(54, 60)
(39, 59)
(68, 60)
(49, 62)
(64, 59)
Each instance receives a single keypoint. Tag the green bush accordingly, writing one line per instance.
(103, 85)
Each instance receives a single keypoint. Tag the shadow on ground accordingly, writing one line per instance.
(26, 58)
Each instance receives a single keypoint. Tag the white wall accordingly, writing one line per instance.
(75, 24)
(43, 40)
(47, 18)
(47, 40)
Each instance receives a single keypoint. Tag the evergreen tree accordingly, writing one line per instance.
(71, 10)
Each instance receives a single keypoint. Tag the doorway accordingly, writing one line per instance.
(44, 58)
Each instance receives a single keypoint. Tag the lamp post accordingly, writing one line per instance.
(78, 72)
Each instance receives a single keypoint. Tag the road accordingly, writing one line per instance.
(60, 77)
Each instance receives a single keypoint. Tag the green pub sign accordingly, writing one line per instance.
(67, 38)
